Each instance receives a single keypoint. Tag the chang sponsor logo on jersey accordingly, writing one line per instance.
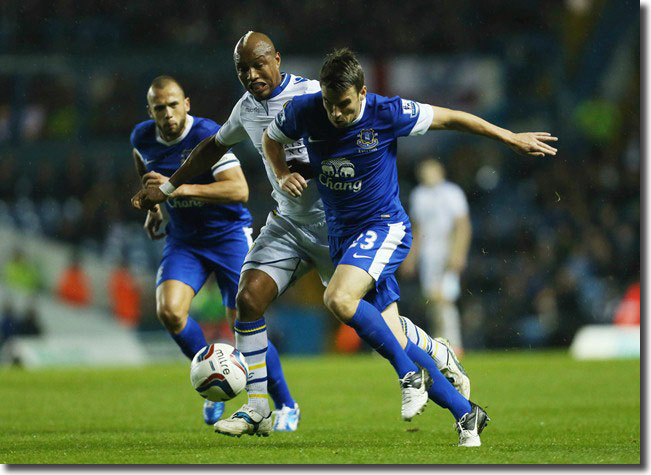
(336, 173)
(185, 203)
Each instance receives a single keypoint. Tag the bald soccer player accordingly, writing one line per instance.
(209, 229)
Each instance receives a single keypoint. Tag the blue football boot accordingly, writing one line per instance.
(212, 411)
(287, 419)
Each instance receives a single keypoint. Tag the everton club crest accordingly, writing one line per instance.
(367, 139)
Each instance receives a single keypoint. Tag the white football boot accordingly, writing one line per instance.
(414, 393)
(287, 418)
(453, 370)
(245, 421)
(470, 425)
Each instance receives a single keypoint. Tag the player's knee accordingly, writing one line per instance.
(172, 318)
(340, 303)
(249, 306)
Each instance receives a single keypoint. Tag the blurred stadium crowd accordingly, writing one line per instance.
(556, 242)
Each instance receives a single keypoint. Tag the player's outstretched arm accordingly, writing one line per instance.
(290, 182)
(203, 156)
(525, 143)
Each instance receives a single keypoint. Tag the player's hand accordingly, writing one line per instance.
(147, 198)
(152, 223)
(293, 183)
(533, 144)
(154, 179)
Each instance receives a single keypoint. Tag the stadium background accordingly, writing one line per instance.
(556, 241)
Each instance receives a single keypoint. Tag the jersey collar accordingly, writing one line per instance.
(189, 120)
(281, 87)
(361, 113)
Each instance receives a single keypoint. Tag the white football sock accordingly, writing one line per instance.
(251, 340)
(419, 337)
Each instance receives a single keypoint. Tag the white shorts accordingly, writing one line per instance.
(286, 250)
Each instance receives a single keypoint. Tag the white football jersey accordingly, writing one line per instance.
(435, 209)
(251, 117)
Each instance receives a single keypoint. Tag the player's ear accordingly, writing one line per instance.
(362, 92)
(187, 104)
(278, 58)
(149, 113)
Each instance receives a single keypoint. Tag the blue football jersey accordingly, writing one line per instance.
(355, 166)
(191, 221)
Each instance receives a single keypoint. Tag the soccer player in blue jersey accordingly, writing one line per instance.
(351, 139)
(293, 241)
(209, 229)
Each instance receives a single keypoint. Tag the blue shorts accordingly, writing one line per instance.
(193, 264)
(379, 251)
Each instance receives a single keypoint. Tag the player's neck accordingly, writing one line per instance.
(360, 114)
(169, 138)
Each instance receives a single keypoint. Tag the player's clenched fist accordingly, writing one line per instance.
(293, 183)
(148, 198)
(153, 179)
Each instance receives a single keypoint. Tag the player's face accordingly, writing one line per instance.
(169, 108)
(343, 107)
(258, 71)
(430, 173)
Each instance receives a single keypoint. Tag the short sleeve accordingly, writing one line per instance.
(232, 131)
(228, 160)
(411, 117)
(285, 127)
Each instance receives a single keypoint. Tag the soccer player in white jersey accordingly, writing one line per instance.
(351, 138)
(442, 231)
(294, 239)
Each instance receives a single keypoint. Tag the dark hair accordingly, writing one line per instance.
(341, 70)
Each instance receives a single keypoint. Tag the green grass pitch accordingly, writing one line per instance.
(545, 408)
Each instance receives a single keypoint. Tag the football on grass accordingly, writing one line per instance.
(219, 372)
